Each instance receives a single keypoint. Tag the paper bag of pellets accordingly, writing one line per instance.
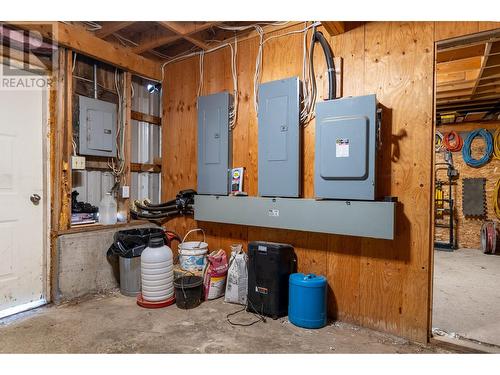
(237, 276)
(215, 273)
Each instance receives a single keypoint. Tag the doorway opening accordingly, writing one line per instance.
(466, 293)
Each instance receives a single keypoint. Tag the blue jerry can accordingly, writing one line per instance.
(307, 300)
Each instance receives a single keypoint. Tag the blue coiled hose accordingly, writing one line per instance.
(467, 152)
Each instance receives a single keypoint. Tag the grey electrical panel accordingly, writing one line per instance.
(346, 143)
(279, 138)
(214, 144)
(97, 127)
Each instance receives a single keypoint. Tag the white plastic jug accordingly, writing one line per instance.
(157, 271)
(107, 210)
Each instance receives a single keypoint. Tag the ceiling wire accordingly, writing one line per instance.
(309, 96)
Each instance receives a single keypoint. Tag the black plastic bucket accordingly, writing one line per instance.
(188, 291)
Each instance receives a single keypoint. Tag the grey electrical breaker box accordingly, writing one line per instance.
(346, 143)
(214, 144)
(279, 138)
(97, 127)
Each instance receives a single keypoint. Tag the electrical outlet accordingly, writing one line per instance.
(78, 162)
(125, 191)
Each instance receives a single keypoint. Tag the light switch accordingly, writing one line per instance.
(125, 191)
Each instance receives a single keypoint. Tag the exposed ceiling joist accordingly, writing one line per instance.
(85, 42)
(483, 64)
(334, 27)
(185, 30)
(468, 74)
(154, 43)
(196, 42)
(181, 30)
(109, 28)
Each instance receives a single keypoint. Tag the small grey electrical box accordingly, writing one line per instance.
(214, 144)
(97, 127)
(279, 138)
(346, 137)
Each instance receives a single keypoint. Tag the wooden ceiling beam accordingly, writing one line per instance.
(334, 27)
(196, 42)
(180, 30)
(154, 43)
(470, 63)
(186, 30)
(462, 53)
(483, 64)
(112, 27)
(469, 126)
(470, 100)
(454, 94)
(443, 87)
(86, 43)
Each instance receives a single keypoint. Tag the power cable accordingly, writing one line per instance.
(438, 141)
(452, 141)
(467, 152)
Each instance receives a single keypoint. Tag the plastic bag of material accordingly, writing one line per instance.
(237, 276)
(214, 278)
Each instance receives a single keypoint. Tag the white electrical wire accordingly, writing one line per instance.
(118, 168)
(74, 62)
(309, 87)
(309, 100)
(200, 84)
(233, 114)
(258, 69)
(93, 25)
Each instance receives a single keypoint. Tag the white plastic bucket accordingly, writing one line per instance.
(193, 254)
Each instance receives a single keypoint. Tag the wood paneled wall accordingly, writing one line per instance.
(380, 284)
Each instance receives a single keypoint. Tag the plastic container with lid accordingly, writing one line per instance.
(307, 300)
(157, 271)
(107, 210)
(193, 254)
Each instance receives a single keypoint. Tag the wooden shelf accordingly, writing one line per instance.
(96, 227)
(145, 118)
(468, 126)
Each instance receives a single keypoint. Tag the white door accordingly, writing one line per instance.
(22, 120)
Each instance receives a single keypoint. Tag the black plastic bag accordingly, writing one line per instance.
(131, 243)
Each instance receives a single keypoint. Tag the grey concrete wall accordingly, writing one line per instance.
(82, 266)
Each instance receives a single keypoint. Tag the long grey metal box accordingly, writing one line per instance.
(352, 218)
(214, 144)
(345, 159)
(279, 138)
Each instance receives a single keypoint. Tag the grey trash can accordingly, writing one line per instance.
(130, 276)
(127, 247)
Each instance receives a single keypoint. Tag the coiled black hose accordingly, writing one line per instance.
(161, 206)
(161, 215)
(332, 83)
(157, 207)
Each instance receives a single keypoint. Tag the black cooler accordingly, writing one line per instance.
(269, 267)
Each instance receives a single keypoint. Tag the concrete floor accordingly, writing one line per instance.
(115, 324)
(467, 295)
